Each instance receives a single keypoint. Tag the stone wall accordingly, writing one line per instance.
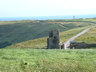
(81, 45)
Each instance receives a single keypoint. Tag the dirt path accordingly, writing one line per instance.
(67, 44)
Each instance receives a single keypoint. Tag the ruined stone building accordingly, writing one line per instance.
(80, 45)
(53, 40)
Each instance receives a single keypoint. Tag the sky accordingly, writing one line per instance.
(28, 8)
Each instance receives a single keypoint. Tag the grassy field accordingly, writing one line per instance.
(43, 60)
(30, 55)
(89, 37)
(42, 42)
(90, 19)
(19, 31)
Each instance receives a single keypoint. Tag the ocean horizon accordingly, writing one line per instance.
(46, 17)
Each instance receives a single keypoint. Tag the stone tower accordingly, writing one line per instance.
(53, 40)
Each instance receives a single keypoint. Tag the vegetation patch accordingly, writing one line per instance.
(89, 37)
(42, 42)
(19, 31)
(43, 60)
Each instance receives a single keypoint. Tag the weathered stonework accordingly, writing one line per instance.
(76, 45)
(53, 40)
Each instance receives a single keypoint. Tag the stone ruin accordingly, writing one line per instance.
(53, 40)
(80, 45)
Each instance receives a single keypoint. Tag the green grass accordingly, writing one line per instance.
(43, 60)
(42, 42)
(20, 31)
(89, 37)
(24, 57)
(90, 19)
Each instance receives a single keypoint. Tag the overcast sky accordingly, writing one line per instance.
(23, 8)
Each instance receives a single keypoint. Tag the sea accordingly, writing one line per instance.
(47, 17)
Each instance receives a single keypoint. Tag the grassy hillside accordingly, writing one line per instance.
(20, 31)
(89, 37)
(42, 42)
(31, 60)
(24, 57)
(90, 19)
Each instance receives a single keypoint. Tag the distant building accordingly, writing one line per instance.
(53, 40)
